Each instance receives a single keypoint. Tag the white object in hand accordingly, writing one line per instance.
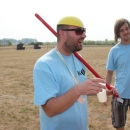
(102, 96)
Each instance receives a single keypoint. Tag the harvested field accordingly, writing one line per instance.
(17, 111)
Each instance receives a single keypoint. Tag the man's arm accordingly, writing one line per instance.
(109, 80)
(61, 103)
(109, 76)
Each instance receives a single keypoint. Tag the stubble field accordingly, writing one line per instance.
(17, 111)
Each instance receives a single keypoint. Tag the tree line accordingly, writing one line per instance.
(86, 42)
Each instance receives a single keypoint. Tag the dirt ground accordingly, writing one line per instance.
(17, 111)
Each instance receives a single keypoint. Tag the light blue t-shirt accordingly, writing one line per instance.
(51, 79)
(119, 61)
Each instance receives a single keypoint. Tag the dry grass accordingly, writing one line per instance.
(17, 111)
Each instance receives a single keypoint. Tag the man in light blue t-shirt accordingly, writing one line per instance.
(118, 61)
(60, 83)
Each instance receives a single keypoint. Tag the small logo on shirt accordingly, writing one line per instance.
(81, 72)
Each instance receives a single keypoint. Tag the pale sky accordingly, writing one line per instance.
(17, 17)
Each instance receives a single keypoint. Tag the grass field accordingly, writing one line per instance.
(17, 111)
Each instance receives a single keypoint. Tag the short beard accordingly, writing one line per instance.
(71, 48)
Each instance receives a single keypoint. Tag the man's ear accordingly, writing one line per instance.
(62, 33)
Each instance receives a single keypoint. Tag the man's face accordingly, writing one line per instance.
(74, 41)
(125, 33)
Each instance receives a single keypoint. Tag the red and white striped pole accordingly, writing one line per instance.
(76, 54)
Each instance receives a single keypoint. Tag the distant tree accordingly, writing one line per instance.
(89, 42)
(9, 43)
(106, 41)
(0, 42)
(111, 42)
(40, 43)
(47, 43)
(32, 43)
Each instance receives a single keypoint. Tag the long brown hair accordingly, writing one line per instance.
(117, 26)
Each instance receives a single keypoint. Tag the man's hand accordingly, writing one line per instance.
(112, 91)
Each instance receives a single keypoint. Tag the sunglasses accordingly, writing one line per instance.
(78, 31)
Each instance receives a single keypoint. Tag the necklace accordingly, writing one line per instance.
(62, 59)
